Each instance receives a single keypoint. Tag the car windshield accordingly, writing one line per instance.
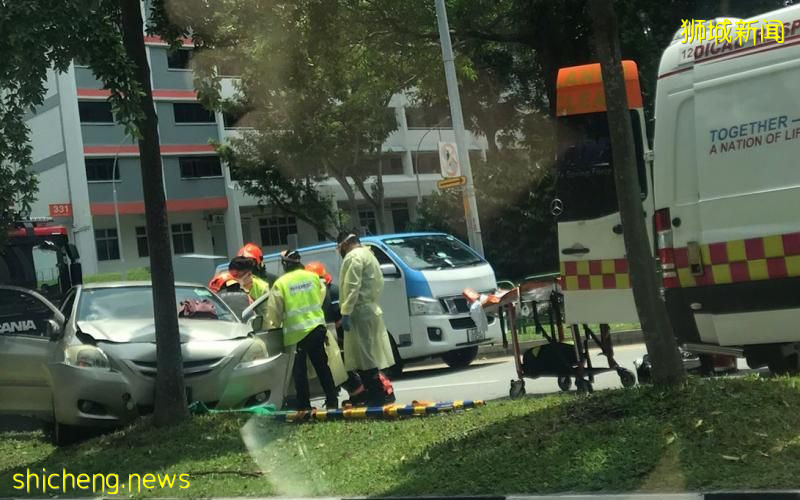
(433, 252)
(136, 302)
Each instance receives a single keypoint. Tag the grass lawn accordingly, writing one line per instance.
(713, 434)
(138, 274)
(528, 332)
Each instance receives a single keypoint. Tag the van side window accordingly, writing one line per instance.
(380, 255)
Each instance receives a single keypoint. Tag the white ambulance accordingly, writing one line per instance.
(721, 187)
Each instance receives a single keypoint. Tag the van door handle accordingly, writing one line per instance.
(575, 250)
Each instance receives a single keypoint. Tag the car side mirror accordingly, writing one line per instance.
(390, 271)
(54, 329)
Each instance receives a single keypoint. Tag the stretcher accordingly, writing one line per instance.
(556, 358)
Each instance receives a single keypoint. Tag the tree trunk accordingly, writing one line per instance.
(661, 344)
(341, 178)
(170, 398)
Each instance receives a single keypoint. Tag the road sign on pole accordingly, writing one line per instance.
(470, 204)
(448, 160)
(451, 182)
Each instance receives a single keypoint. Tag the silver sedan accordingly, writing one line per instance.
(93, 361)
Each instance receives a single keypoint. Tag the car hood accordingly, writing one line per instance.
(452, 282)
(144, 330)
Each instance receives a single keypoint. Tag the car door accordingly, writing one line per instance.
(25, 347)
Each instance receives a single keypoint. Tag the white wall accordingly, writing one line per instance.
(52, 189)
(200, 230)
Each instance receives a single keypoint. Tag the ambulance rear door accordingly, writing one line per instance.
(594, 266)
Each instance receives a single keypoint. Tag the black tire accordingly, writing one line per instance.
(517, 389)
(460, 358)
(62, 434)
(396, 370)
(584, 386)
(788, 365)
(564, 383)
(627, 378)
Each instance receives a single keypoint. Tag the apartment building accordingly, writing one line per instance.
(90, 179)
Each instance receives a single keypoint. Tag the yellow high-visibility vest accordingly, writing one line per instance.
(302, 302)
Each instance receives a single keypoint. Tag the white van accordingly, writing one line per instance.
(723, 191)
(423, 305)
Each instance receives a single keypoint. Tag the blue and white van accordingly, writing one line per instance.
(423, 306)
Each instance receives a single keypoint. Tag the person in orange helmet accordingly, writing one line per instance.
(220, 281)
(253, 251)
(230, 291)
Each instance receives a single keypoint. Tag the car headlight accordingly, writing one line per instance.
(257, 351)
(86, 356)
(419, 306)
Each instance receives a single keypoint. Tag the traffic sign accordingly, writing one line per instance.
(448, 160)
(451, 182)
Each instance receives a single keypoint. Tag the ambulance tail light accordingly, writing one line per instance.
(666, 250)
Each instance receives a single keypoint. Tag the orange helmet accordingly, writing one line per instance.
(251, 251)
(318, 268)
(221, 280)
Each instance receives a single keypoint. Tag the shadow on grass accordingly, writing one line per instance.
(199, 443)
(706, 436)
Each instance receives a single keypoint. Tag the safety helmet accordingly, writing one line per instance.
(318, 268)
(290, 256)
(220, 281)
(252, 251)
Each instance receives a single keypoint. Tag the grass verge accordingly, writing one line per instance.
(138, 274)
(712, 434)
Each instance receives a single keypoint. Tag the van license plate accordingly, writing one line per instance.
(473, 335)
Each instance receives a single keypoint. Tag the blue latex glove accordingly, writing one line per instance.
(346, 323)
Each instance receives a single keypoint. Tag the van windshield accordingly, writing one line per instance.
(433, 252)
(585, 181)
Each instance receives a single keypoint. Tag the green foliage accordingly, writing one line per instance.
(513, 196)
(315, 91)
(715, 434)
(138, 274)
(39, 35)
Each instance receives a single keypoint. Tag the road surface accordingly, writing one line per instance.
(489, 379)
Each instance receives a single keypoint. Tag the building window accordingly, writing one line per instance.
(141, 241)
(438, 117)
(179, 59)
(182, 240)
(192, 112)
(194, 167)
(427, 163)
(95, 112)
(394, 165)
(367, 219)
(400, 216)
(275, 230)
(107, 244)
(101, 169)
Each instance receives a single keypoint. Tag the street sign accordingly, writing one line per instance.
(61, 210)
(451, 182)
(448, 160)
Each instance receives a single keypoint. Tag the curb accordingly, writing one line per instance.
(629, 337)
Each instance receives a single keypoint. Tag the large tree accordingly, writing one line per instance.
(39, 35)
(316, 89)
(661, 344)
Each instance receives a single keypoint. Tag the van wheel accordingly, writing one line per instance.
(785, 365)
(460, 358)
(396, 370)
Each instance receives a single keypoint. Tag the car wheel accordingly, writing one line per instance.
(62, 434)
(396, 370)
(460, 358)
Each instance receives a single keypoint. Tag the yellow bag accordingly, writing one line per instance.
(335, 362)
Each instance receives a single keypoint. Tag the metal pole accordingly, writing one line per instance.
(438, 127)
(470, 204)
(114, 174)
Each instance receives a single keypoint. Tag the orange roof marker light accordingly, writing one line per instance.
(579, 89)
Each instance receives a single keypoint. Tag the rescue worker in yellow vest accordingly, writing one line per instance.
(295, 303)
(366, 342)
